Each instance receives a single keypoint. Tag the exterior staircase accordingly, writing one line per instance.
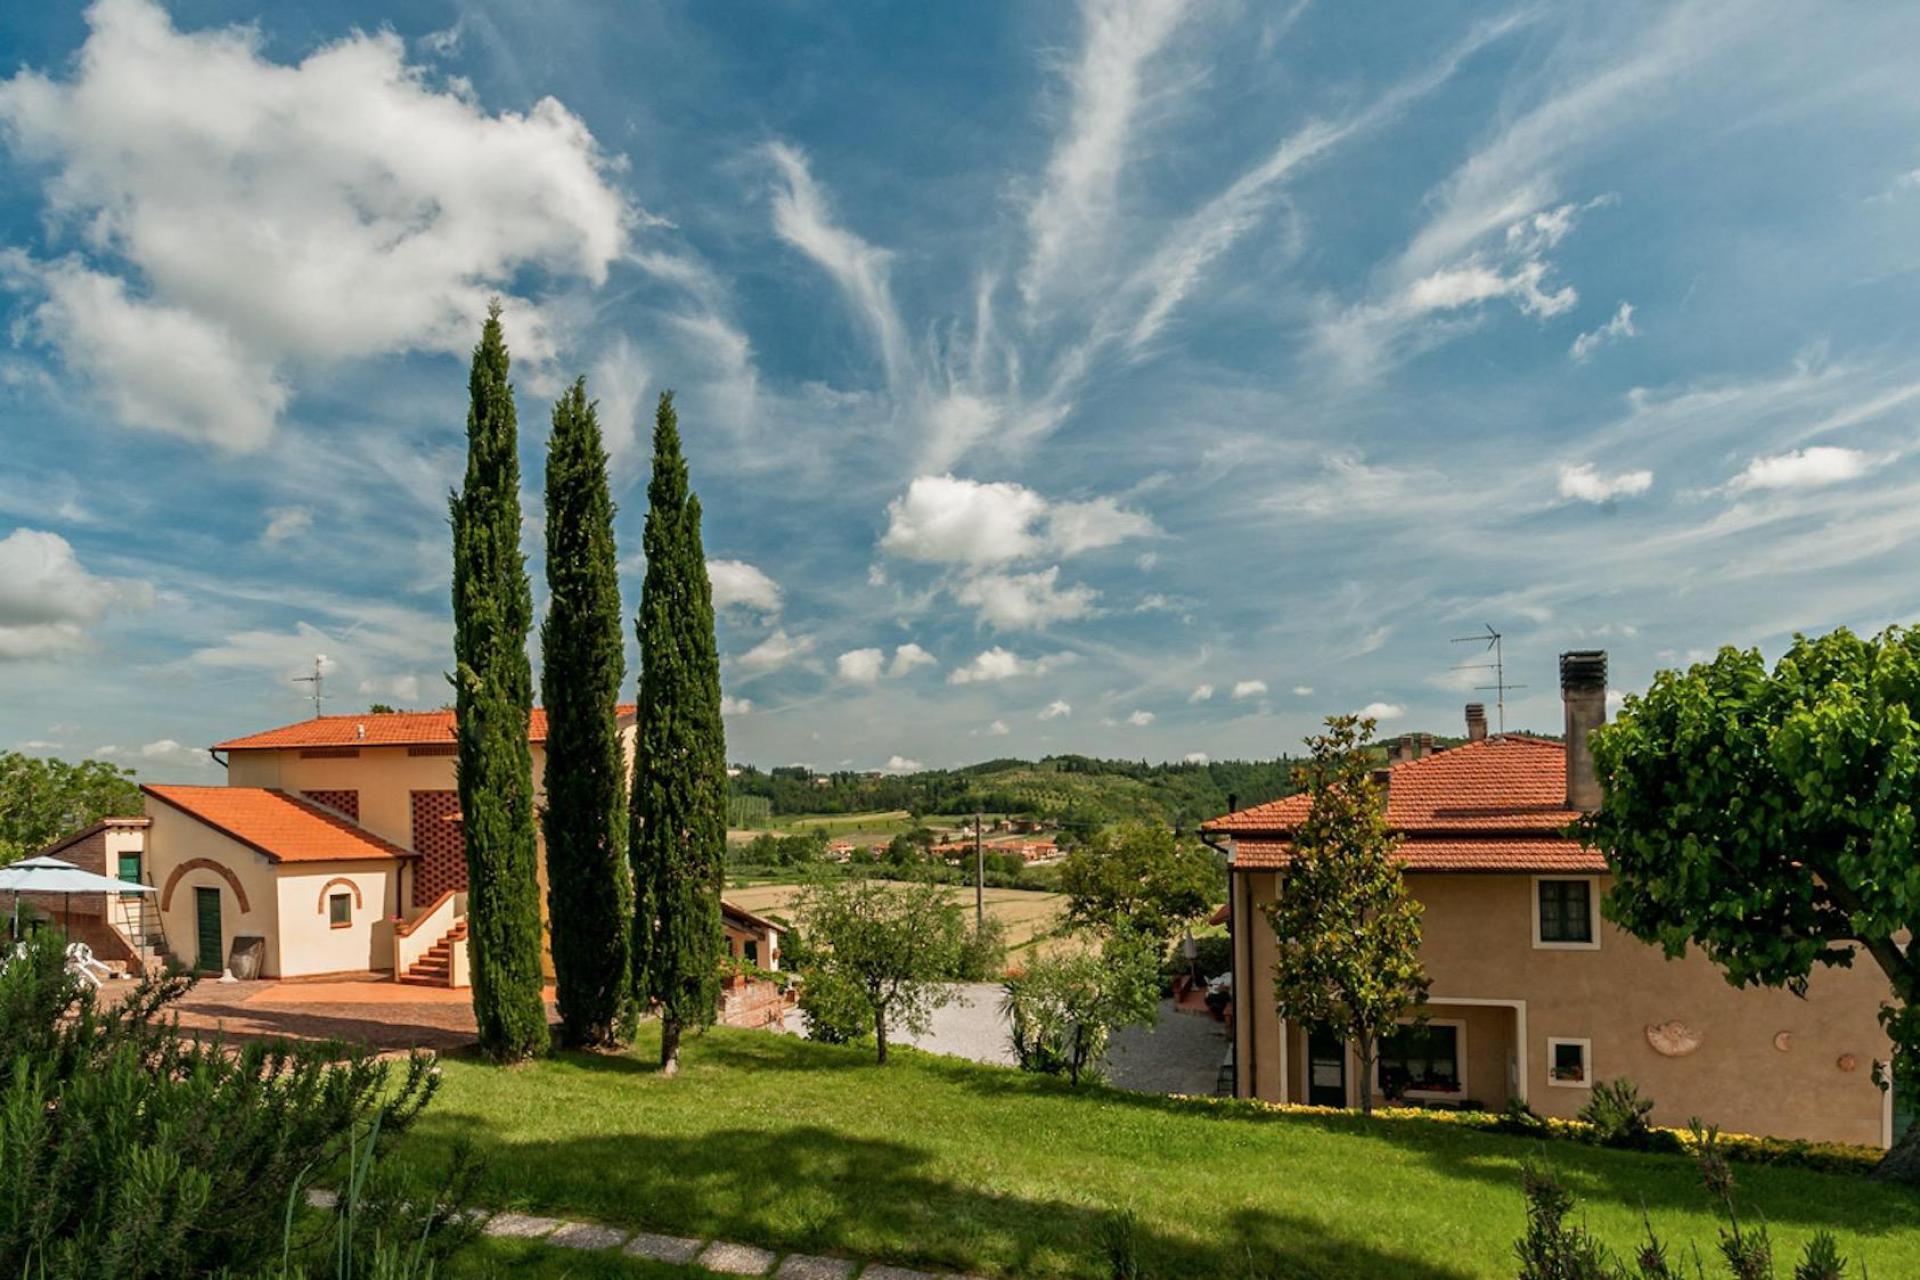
(435, 968)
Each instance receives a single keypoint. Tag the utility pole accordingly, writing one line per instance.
(979, 877)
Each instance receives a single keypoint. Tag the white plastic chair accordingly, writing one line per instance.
(80, 962)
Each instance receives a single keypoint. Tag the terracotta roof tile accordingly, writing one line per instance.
(1497, 854)
(279, 826)
(387, 729)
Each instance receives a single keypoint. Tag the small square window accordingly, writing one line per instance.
(340, 910)
(1570, 1063)
(1566, 911)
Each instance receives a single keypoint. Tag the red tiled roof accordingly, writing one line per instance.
(1498, 804)
(281, 827)
(387, 729)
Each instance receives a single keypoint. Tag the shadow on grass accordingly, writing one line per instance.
(814, 1189)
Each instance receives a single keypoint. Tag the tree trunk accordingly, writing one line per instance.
(1366, 1076)
(880, 1034)
(669, 1046)
(1902, 1163)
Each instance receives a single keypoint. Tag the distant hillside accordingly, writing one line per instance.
(1075, 789)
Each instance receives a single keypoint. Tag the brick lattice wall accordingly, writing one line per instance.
(347, 802)
(439, 842)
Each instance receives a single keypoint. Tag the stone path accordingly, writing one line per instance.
(721, 1257)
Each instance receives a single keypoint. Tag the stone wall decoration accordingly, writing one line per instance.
(1847, 1062)
(1783, 1041)
(1673, 1039)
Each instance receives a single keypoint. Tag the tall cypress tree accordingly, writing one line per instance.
(589, 889)
(679, 829)
(493, 696)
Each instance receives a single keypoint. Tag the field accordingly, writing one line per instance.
(881, 824)
(1027, 915)
(936, 1162)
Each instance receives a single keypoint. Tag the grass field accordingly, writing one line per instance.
(1028, 915)
(775, 1141)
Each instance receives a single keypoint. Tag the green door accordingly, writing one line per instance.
(206, 906)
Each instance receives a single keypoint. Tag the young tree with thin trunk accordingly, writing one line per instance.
(678, 835)
(1347, 931)
(886, 949)
(493, 699)
(589, 885)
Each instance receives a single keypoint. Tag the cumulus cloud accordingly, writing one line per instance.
(1141, 719)
(1617, 329)
(908, 657)
(998, 729)
(1201, 692)
(998, 663)
(1382, 711)
(241, 214)
(1058, 709)
(1803, 468)
(284, 523)
(1024, 601)
(739, 585)
(1582, 483)
(1303, 690)
(48, 600)
(900, 764)
(944, 519)
(861, 666)
(1250, 689)
(775, 652)
(1074, 527)
(1196, 757)
(732, 706)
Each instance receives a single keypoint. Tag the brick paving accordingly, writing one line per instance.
(373, 1011)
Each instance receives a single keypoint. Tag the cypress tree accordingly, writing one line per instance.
(678, 834)
(493, 698)
(589, 890)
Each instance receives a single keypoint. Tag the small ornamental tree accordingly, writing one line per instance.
(1768, 818)
(589, 886)
(1063, 1010)
(493, 699)
(678, 837)
(888, 949)
(1347, 931)
(1137, 876)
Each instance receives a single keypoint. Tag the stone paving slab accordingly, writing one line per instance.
(321, 1198)
(586, 1235)
(881, 1271)
(521, 1226)
(663, 1248)
(800, 1266)
(737, 1259)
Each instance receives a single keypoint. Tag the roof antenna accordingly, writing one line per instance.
(317, 680)
(1499, 687)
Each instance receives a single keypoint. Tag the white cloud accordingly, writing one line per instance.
(1303, 691)
(1024, 601)
(401, 690)
(1058, 709)
(1803, 468)
(776, 651)
(998, 729)
(909, 656)
(1250, 689)
(48, 600)
(620, 382)
(900, 764)
(943, 519)
(732, 706)
(739, 585)
(1582, 483)
(1141, 719)
(861, 666)
(1382, 711)
(1003, 664)
(284, 523)
(1196, 757)
(1614, 330)
(266, 213)
(1451, 288)
(1201, 692)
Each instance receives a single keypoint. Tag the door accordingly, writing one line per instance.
(206, 909)
(1326, 1069)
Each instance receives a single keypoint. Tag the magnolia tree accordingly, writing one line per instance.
(1768, 818)
(1347, 932)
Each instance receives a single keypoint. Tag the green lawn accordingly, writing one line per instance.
(778, 1142)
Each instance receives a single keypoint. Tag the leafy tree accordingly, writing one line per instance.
(1347, 931)
(1064, 1009)
(678, 839)
(1768, 819)
(1137, 876)
(43, 799)
(381, 709)
(893, 948)
(589, 885)
(493, 699)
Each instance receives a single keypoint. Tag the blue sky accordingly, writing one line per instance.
(1135, 378)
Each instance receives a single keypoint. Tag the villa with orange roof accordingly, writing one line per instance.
(1534, 995)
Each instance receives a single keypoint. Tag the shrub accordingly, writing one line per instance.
(983, 956)
(834, 1010)
(1064, 1009)
(1551, 1249)
(1618, 1117)
(129, 1151)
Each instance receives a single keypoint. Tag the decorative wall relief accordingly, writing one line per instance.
(1847, 1062)
(1673, 1039)
(1783, 1041)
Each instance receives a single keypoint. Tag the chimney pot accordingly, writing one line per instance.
(1409, 746)
(1426, 746)
(1583, 693)
(1476, 721)
(1383, 779)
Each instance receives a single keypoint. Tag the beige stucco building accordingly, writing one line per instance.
(1534, 996)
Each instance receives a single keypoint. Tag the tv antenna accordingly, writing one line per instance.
(317, 680)
(1498, 666)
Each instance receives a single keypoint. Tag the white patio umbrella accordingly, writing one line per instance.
(51, 875)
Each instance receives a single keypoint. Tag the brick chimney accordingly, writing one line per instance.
(1583, 691)
(1476, 721)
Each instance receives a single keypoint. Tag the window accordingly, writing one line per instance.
(1426, 1059)
(752, 951)
(1570, 1063)
(1564, 913)
(340, 910)
(130, 871)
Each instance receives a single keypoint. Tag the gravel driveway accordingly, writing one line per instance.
(1180, 1053)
